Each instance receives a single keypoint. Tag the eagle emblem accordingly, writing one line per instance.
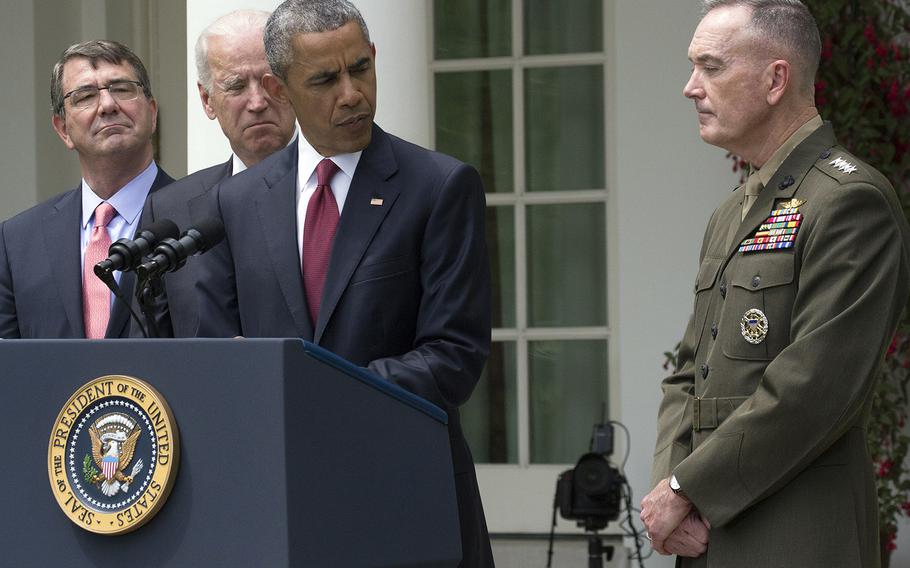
(114, 439)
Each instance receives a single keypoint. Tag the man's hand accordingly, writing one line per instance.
(690, 538)
(661, 512)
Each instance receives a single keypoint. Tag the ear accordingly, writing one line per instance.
(153, 105)
(778, 76)
(59, 124)
(205, 97)
(276, 88)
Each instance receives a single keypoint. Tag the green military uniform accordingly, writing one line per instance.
(763, 422)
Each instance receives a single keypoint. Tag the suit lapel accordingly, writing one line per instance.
(62, 236)
(120, 312)
(359, 220)
(276, 208)
(200, 206)
(784, 183)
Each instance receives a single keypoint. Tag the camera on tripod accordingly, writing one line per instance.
(591, 492)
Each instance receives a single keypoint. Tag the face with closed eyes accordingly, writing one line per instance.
(332, 86)
(728, 73)
(109, 126)
(254, 123)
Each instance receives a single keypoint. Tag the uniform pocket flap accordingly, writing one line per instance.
(707, 273)
(775, 271)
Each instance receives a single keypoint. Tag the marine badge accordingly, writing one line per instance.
(754, 326)
(113, 455)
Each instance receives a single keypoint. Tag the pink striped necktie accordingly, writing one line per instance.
(318, 234)
(96, 298)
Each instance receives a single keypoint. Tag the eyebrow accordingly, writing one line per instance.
(706, 58)
(114, 80)
(357, 65)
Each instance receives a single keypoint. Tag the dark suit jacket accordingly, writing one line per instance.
(41, 276)
(407, 292)
(184, 203)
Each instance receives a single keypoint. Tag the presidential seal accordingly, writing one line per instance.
(113, 454)
(754, 326)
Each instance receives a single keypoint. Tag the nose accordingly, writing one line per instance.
(693, 88)
(106, 102)
(350, 94)
(259, 98)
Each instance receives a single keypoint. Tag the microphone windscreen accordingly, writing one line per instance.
(211, 230)
(163, 229)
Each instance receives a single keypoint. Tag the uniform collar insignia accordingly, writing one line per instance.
(843, 165)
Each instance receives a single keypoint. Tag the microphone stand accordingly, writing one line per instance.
(111, 283)
(147, 289)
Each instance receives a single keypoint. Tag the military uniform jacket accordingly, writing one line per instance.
(767, 437)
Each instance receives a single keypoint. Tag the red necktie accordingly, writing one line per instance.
(96, 298)
(318, 234)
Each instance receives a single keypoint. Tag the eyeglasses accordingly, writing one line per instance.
(87, 97)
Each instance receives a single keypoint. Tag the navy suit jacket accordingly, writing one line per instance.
(183, 202)
(407, 293)
(41, 273)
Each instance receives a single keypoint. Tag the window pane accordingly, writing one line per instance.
(567, 26)
(474, 123)
(568, 391)
(564, 120)
(567, 276)
(501, 242)
(472, 28)
(489, 418)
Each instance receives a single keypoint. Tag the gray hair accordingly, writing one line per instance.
(236, 23)
(787, 24)
(96, 50)
(295, 17)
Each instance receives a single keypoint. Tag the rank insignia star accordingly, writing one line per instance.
(843, 165)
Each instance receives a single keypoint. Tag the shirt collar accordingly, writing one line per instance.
(770, 168)
(309, 158)
(128, 200)
(237, 164)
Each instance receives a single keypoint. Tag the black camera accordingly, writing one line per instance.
(591, 492)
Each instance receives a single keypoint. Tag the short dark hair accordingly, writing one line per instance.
(783, 23)
(294, 17)
(96, 50)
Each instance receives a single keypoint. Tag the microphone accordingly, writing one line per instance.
(125, 254)
(171, 254)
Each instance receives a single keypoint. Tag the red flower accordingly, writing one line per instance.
(906, 507)
(892, 348)
(885, 468)
(828, 49)
(869, 32)
(881, 51)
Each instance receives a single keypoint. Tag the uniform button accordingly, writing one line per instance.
(723, 291)
(756, 280)
(825, 155)
(785, 183)
(714, 330)
(704, 371)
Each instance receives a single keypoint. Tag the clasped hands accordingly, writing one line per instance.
(673, 524)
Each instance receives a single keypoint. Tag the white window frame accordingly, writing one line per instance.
(518, 498)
